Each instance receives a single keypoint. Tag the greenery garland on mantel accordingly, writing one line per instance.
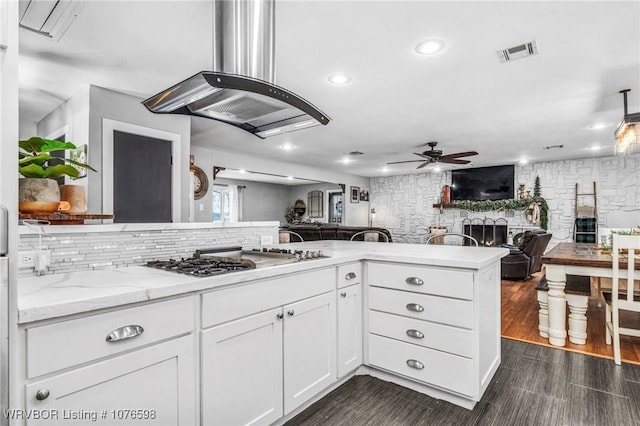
(497, 205)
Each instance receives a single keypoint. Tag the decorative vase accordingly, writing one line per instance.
(446, 194)
(38, 195)
(76, 196)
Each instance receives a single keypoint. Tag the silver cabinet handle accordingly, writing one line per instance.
(350, 276)
(42, 394)
(291, 312)
(414, 307)
(280, 315)
(414, 281)
(126, 332)
(343, 294)
(415, 334)
(415, 364)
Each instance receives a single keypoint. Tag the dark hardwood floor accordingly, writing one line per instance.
(535, 385)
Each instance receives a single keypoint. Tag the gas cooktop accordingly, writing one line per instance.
(220, 260)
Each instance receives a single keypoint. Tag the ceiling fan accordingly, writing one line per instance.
(435, 156)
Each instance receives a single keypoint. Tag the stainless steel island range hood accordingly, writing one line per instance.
(241, 92)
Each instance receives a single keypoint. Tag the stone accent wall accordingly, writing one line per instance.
(102, 250)
(404, 203)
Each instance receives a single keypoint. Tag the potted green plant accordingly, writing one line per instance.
(38, 192)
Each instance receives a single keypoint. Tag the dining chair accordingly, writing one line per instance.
(371, 235)
(621, 299)
(452, 239)
(290, 237)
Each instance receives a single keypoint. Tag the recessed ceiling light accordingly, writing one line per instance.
(523, 161)
(437, 169)
(290, 177)
(385, 169)
(339, 78)
(345, 160)
(595, 148)
(598, 126)
(287, 146)
(429, 47)
(242, 171)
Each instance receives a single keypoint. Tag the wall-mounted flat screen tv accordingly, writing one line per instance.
(483, 183)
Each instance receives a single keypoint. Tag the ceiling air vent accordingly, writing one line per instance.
(518, 52)
(50, 18)
(554, 147)
(356, 153)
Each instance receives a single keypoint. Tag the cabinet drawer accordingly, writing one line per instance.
(422, 279)
(349, 274)
(454, 312)
(454, 340)
(438, 368)
(64, 344)
(229, 304)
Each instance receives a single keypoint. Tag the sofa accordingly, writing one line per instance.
(313, 232)
(524, 259)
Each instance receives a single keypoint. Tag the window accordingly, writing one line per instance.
(225, 203)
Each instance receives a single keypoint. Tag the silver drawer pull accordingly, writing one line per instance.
(126, 332)
(414, 281)
(415, 364)
(415, 307)
(343, 294)
(291, 312)
(350, 276)
(415, 334)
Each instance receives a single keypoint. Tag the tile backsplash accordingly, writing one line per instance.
(76, 251)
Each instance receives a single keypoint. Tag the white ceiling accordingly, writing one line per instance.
(463, 97)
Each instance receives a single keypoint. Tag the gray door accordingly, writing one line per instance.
(141, 178)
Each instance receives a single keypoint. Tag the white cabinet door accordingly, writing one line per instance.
(349, 329)
(151, 386)
(242, 371)
(309, 348)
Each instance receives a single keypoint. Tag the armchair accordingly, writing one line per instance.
(525, 260)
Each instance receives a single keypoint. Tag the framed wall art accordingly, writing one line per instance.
(355, 194)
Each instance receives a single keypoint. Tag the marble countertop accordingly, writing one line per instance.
(50, 296)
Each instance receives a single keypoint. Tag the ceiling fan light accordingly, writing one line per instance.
(429, 47)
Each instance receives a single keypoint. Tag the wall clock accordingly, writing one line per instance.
(200, 183)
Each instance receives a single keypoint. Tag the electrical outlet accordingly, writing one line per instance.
(266, 240)
(26, 259)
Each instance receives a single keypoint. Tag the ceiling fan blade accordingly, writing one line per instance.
(410, 161)
(459, 154)
(453, 161)
(419, 154)
(425, 164)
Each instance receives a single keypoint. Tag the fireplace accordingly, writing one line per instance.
(488, 232)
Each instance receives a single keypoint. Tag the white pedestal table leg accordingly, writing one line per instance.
(557, 304)
(578, 305)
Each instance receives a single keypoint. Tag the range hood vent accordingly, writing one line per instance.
(241, 91)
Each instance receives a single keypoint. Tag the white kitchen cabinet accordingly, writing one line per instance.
(435, 329)
(309, 348)
(134, 365)
(349, 307)
(151, 386)
(259, 367)
(242, 371)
